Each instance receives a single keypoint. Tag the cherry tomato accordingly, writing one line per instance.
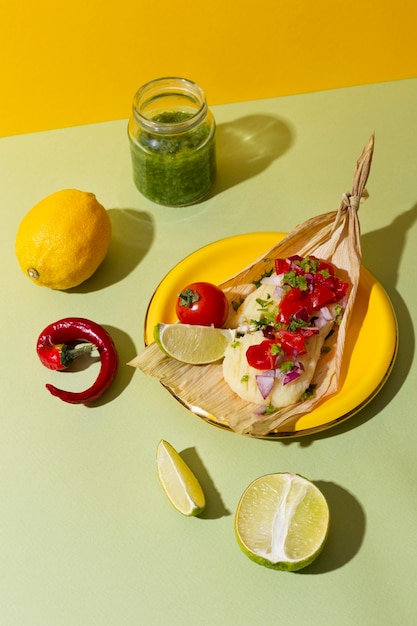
(202, 304)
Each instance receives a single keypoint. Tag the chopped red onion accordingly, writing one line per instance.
(293, 374)
(265, 383)
(279, 359)
(290, 376)
(319, 322)
(270, 373)
(327, 314)
(278, 292)
(302, 315)
(268, 332)
(324, 317)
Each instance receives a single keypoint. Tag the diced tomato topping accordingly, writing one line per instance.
(323, 266)
(341, 289)
(297, 305)
(320, 297)
(291, 342)
(327, 289)
(328, 281)
(282, 266)
(293, 301)
(260, 357)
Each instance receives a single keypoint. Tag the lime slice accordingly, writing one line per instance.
(282, 521)
(193, 344)
(178, 481)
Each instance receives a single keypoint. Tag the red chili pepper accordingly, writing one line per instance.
(57, 348)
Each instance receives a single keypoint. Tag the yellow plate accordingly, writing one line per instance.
(371, 345)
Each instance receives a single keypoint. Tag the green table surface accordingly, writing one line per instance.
(87, 536)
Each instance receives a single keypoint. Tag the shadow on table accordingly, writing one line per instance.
(132, 236)
(125, 348)
(215, 507)
(346, 531)
(382, 251)
(247, 146)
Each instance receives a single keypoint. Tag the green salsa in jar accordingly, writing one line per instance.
(172, 140)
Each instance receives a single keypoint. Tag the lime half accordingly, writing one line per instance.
(282, 521)
(197, 345)
(178, 481)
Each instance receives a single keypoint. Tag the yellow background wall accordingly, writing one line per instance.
(81, 61)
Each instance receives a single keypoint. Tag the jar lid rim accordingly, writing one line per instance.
(166, 86)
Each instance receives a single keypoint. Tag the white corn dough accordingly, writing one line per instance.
(250, 309)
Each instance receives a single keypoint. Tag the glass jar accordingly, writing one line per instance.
(172, 142)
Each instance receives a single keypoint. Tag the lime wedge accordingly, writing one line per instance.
(282, 521)
(193, 344)
(178, 481)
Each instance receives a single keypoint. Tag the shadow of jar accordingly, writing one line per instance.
(247, 146)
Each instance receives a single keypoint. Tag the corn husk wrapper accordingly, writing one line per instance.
(333, 236)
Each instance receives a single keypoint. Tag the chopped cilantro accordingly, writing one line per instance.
(286, 366)
(270, 409)
(244, 378)
(276, 349)
(339, 313)
(298, 281)
(265, 303)
(269, 311)
(295, 324)
(265, 274)
(309, 393)
(268, 318)
(237, 303)
(308, 264)
(255, 324)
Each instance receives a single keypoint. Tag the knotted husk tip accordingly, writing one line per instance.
(332, 236)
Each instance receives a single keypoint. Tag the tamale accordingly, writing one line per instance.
(332, 236)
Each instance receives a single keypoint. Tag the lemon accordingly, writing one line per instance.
(178, 481)
(63, 239)
(193, 344)
(282, 521)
